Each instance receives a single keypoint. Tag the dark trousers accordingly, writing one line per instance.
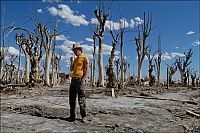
(77, 88)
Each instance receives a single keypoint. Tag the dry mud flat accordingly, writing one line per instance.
(46, 110)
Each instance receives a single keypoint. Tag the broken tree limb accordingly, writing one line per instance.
(188, 112)
(184, 101)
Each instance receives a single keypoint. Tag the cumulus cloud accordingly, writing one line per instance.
(135, 22)
(94, 21)
(87, 49)
(196, 43)
(61, 38)
(11, 51)
(122, 23)
(89, 39)
(190, 32)
(68, 15)
(51, 1)
(117, 25)
(175, 54)
(39, 11)
(167, 56)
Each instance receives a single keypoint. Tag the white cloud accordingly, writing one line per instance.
(94, 21)
(122, 23)
(135, 22)
(39, 11)
(68, 15)
(175, 54)
(117, 25)
(89, 39)
(196, 42)
(176, 47)
(190, 32)
(11, 51)
(51, 1)
(166, 56)
(87, 49)
(61, 38)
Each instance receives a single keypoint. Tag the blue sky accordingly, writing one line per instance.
(176, 21)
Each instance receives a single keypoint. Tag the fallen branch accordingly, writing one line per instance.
(192, 113)
(185, 101)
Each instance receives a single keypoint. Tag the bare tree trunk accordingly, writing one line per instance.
(26, 78)
(100, 63)
(47, 67)
(1, 63)
(6, 74)
(19, 66)
(182, 65)
(101, 17)
(139, 72)
(110, 71)
(94, 61)
(140, 42)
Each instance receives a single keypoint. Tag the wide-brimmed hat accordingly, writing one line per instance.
(76, 46)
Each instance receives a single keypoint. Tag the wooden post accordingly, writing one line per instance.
(112, 92)
(167, 77)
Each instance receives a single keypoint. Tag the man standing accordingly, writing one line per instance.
(79, 68)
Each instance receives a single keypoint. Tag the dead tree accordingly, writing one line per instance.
(37, 54)
(110, 71)
(151, 66)
(158, 60)
(101, 17)
(12, 59)
(47, 39)
(140, 42)
(193, 75)
(26, 47)
(6, 73)
(117, 64)
(55, 69)
(182, 64)
(125, 67)
(19, 64)
(94, 60)
(172, 71)
(122, 31)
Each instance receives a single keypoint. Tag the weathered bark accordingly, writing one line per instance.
(193, 77)
(158, 60)
(47, 67)
(117, 64)
(12, 74)
(19, 66)
(110, 71)
(122, 30)
(140, 42)
(36, 55)
(182, 65)
(26, 47)
(172, 70)
(46, 40)
(125, 66)
(101, 17)
(26, 78)
(94, 61)
(6, 74)
(100, 64)
(1, 63)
